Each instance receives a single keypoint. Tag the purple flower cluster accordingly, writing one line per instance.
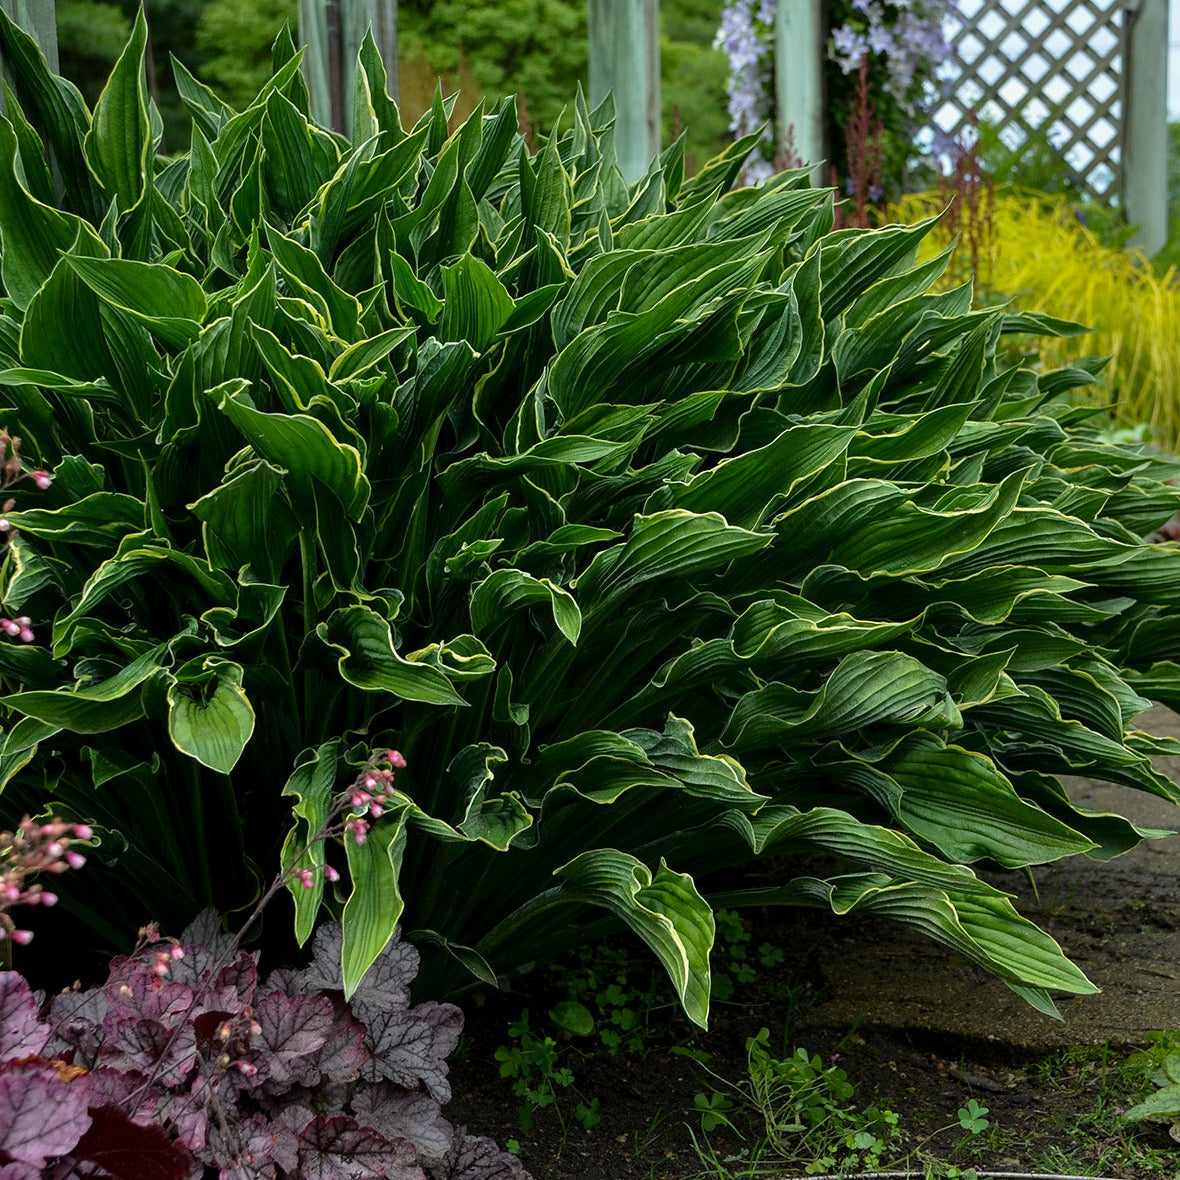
(747, 36)
(906, 36)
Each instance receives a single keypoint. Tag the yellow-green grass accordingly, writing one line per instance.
(1033, 250)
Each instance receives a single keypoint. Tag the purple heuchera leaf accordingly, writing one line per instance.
(339, 1149)
(386, 984)
(21, 1033)
(400, 1114)
(19, 1171)
(152, 1047)
(343, 1054)
(294, 1030)
(411, 1048)
(206, 931)
(475, 1158)
(129, 1151)
(126, 1089)
(40, 1115)
(77, 1019)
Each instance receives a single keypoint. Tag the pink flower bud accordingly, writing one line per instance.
(26, 635)
(306, 877)
(395, 759)
(54, 849)
(22, 937)
(331, 873)
(42, 479)
(12, 892)
(375, 809)
(4, 524)
(246, 1069)
(176, 953)
(84, 831)
(49, 899)
(10, 626)
(75, 860)
(160, 970)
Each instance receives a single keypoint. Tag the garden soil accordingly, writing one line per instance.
(915, 1028)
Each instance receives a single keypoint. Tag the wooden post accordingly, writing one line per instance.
(333, 30)
(38, 17)
(1144, 180)
(625, 59)
(799, 80)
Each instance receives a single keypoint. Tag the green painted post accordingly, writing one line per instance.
(333, 30)
(625, 59)
(38, 17)
(798, 80)
(1144, 186)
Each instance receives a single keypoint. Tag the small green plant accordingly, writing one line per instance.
(973, 1118)
(533, 1062)
(799, 1112)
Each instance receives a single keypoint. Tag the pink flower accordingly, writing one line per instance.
(83, 831)
(331, 873)
(75, 860)
(22, 937)
(42, 479)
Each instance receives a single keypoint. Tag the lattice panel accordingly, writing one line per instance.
(1055, 64)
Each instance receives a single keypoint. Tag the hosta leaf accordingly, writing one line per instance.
(92, 708)
(375, 903)
(867, 688)
(666, 544)
(958, 802)
(665, 910)
(987, 930)
(34, 235)
(57, 109)
(745, 488)
(101, 519)
(312, 784)
(368, 659)
(507, 590)
(881, 849)
(119, 140)
(209, 716)
(302, 445)
(475, 303)
(170, 304)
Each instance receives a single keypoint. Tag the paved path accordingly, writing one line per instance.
(1119, 921)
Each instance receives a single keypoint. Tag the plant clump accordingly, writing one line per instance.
(185, 1059)
(661, 528)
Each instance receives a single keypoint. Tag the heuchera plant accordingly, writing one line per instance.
(185, 1060)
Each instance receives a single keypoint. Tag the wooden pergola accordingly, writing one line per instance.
(625, 59)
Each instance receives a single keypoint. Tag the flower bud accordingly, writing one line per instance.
(42, 479)
(331, 873)
(75, 860)
(22, 937)
(84, 831)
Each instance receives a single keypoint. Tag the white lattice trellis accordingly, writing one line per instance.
(1056, 65)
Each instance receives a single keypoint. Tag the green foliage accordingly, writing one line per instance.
(658, 527)
(234, 40)
(538, 48)
(799, 1111)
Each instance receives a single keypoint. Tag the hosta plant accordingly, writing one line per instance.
(186, 1061)
(659, 526)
